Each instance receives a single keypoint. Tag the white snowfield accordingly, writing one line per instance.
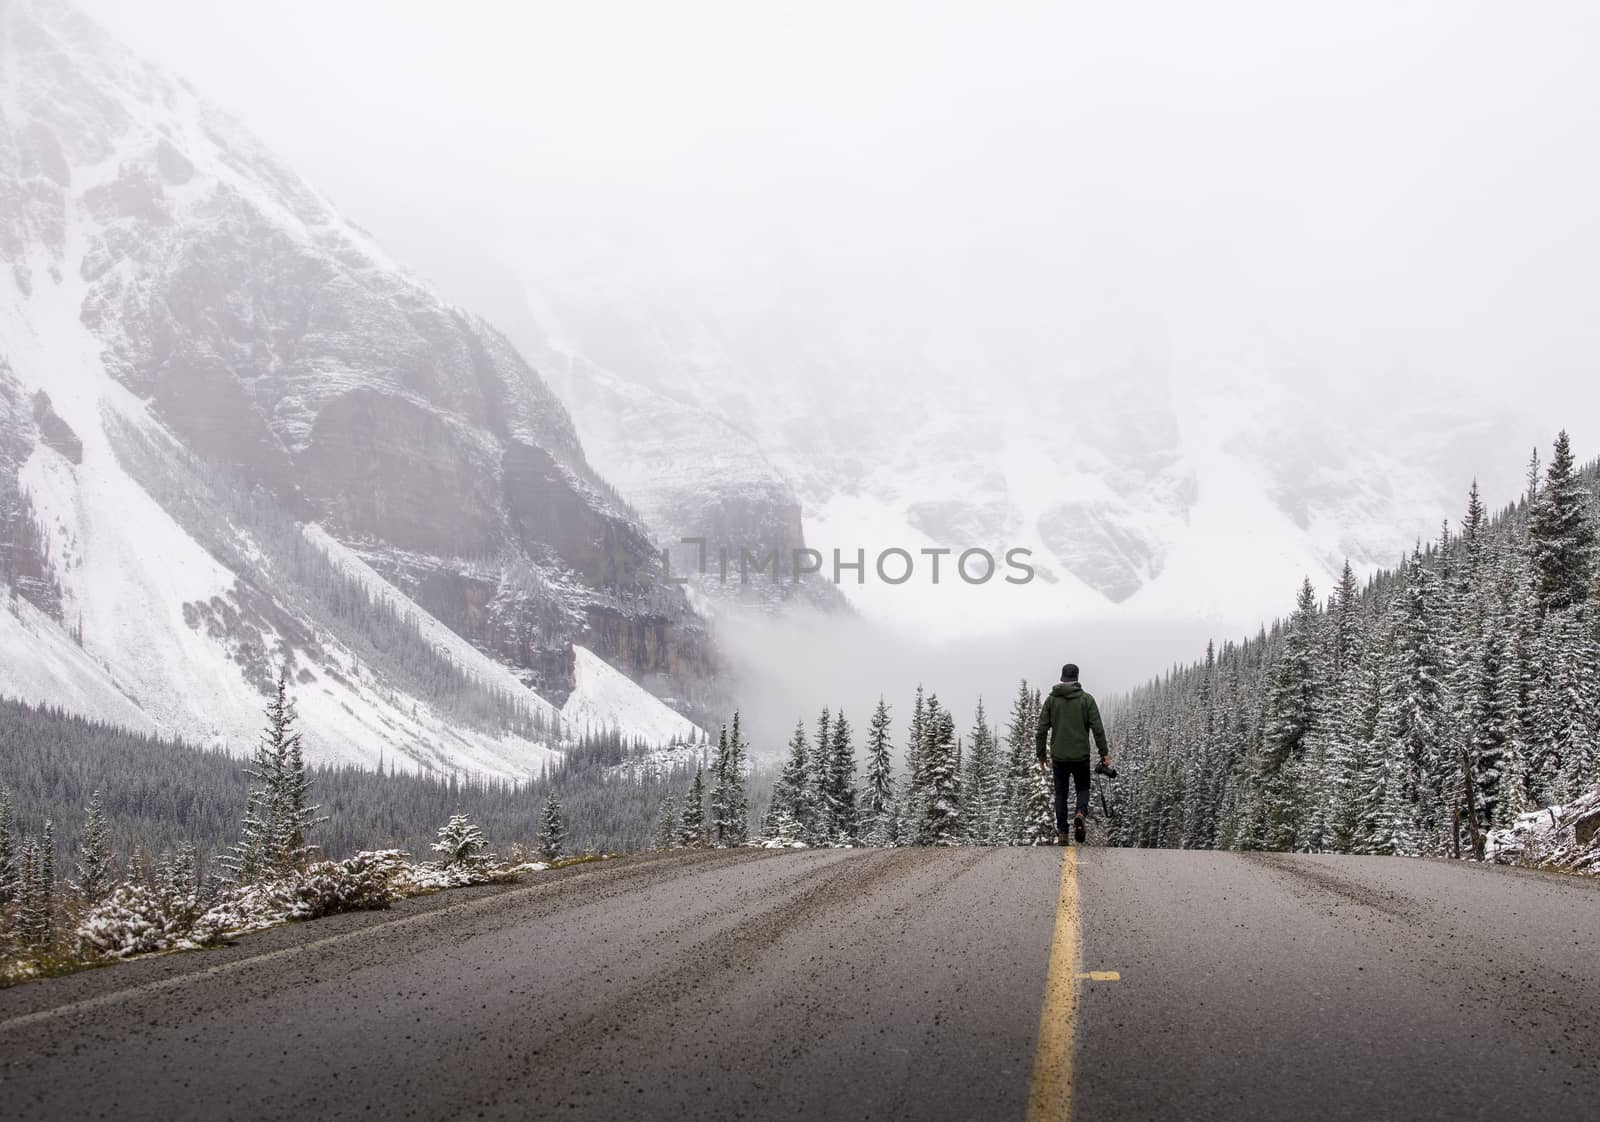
(42, 665)
(606, 699)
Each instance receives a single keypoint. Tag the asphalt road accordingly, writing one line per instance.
(953, 984)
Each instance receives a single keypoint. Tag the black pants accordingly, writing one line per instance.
(1070, 771)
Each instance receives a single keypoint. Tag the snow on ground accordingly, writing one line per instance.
(1555, 837)
(606, 698)
(40, 664)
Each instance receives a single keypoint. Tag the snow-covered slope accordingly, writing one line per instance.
(1142, 490)
(40, 664)
(198, 356)
(605, 700)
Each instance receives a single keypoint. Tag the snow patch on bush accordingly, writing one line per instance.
(142, 919)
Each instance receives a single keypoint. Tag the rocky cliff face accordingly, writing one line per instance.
(25, 567)
(729, 518)
(162, 265)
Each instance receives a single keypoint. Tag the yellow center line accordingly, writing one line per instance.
(1050, 1097)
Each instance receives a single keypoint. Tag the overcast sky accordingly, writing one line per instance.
(1366, 191)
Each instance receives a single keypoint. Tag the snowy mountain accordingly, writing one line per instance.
(235, 436)
(1144, 490)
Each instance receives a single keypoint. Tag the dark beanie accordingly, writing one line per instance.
(1069, 672)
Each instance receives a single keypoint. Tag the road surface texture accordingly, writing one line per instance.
(918, 984)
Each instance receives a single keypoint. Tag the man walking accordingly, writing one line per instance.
(1068, 718)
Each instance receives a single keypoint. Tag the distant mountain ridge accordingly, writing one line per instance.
(1143, 490)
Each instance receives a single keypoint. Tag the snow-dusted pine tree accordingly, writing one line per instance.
(790, 816)
(95, 875)
(692, 822)
(1021, 771)
(10, 870)
(552, 841)
(719, 789)
(278, 813)
(733, 821)
(839, 785)
(35, 922)
(460, 842)
(982, 782)
(667, 824)
(879, 793)
(914, 800)
(941, 823)
(1561, 534)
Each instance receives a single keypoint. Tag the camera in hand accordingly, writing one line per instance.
(1106, 770)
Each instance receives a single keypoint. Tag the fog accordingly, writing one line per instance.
(1352, 192)
(787, 669)
(1378, 211)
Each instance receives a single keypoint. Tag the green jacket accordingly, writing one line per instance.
(1068, 717)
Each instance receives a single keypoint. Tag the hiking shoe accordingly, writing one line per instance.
(1061, 837)
(1078, 828)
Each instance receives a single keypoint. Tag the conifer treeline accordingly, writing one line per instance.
(160, 794)
(1408, 716)
(953, 791)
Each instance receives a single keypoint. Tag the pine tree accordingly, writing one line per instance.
(32, 910)
(35, 922)
(95, 875)
(1039, 822)
(791, 814)
(1564, 760)
(1489, 720)
(298, 816)
(914, 803)
(1514, 787)
(738, 805)
(1346, 622)
(1296, 703)
(10, 868)
(692, 823)
(1417, 718)
(879, 793)
(721, 812)
(1392, 812)
(894, 832)
(1474, 528)
(941, 823)
(1358, 756)
(981, 786)
(821, 760)
(460, 842)
(1561, 534)
(667, 824)
(839, 785)
(1020, 773)
(553, 833)
(1295, 692)
(278, 813)
(47, 884)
